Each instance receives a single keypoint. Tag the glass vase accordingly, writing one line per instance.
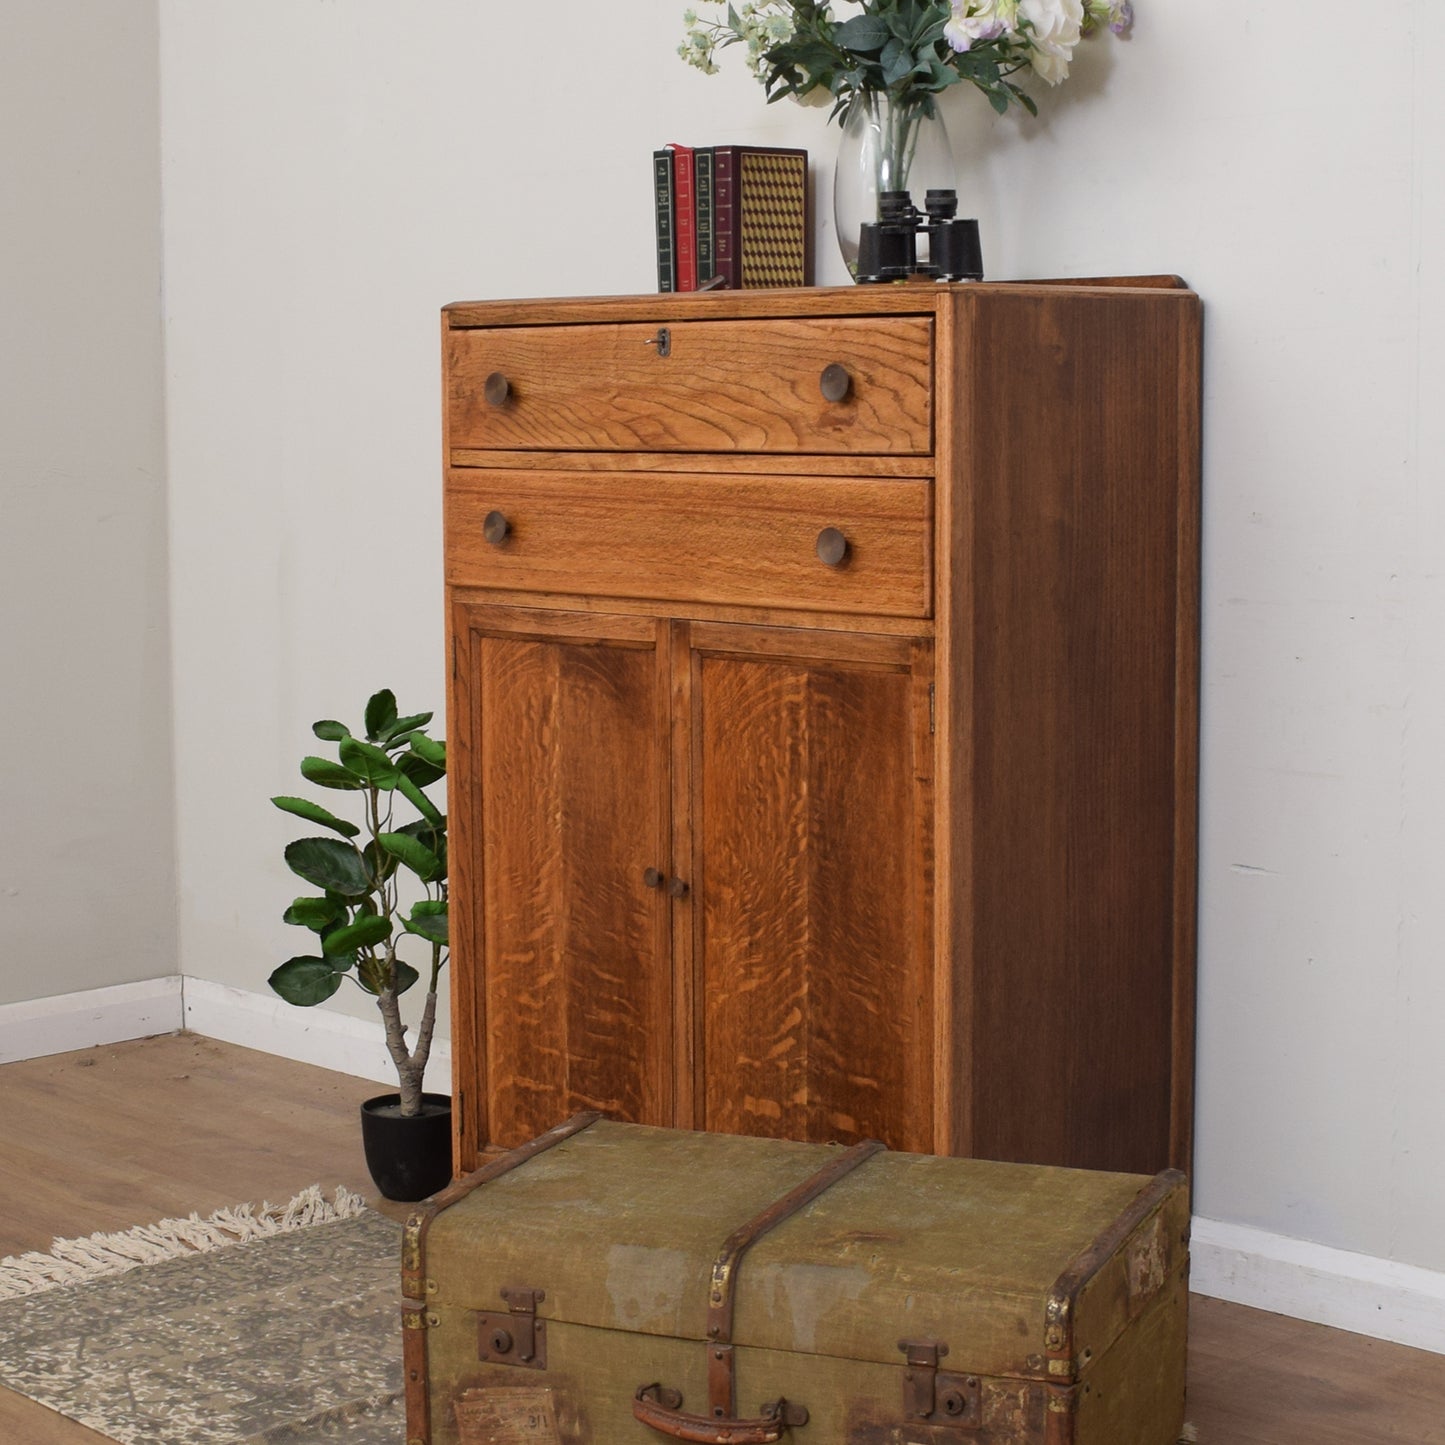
(888, 145)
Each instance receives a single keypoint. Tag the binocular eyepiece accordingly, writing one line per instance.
(888, 247)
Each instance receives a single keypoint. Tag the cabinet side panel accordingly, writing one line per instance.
(809, 820)
(570, 951)
(1076, 775)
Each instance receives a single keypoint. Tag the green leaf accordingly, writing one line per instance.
(897, 61)
(372, 975)
(305, 981)
(429, 836)
(380, 713)
(365, 932)
(404, 725)
(416, 767)
(863, 32)
(330, 864)
(314, 913)
(430, 750)
(429, 920)
(416, 855)
(370, 763)
(315, 813)
(330, 731)
(327, 774)
(419, 801)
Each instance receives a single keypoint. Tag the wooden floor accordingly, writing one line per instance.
(130, 1133)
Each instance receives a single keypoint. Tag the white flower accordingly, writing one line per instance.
(979, 20)
(1054, 30)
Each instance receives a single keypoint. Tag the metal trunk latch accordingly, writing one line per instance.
(516, 1337)
(935, 1395)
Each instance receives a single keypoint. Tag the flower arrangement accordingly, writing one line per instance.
(909, 49)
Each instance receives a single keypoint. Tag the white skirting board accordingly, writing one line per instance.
(234, 1016)
(1354, 1292)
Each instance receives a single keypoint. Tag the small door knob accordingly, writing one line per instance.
(496, 389)
(677, 888)
(653, 878)
(496, 528)
(832, 547)
(835, 383)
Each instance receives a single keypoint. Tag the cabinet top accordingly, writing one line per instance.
(897, 299)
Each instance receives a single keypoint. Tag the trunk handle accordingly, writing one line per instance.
(658, 1407)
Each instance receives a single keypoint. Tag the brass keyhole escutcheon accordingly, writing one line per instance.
(832, 547)
(835, 383)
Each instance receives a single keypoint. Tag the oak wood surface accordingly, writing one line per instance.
(722, 386)
(811, 957)
(1071, 780)
(107, 1134)
(569, 779)
(1050, 885)
(746, 540)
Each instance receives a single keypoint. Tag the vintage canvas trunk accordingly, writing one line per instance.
(612, 1284)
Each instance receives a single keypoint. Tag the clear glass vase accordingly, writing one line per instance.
(887, 145)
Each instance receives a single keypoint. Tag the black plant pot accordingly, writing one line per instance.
(409, 1158)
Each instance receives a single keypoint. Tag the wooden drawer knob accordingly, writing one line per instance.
(832, 547)
(677, 888)
(835, 383)
(653, 877)
(496, 389)
(496, 528)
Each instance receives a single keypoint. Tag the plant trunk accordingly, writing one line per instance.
(410, 1066)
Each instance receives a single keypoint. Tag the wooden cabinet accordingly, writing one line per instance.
(822, 715)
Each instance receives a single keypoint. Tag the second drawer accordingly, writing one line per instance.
(825, 544)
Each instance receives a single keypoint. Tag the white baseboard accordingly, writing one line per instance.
(44, 1026)
(307, 1035)
(1355, 1292)
(67, 1022)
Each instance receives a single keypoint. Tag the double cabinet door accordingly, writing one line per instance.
(693, 880)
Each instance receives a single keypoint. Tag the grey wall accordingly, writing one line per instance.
(87, 867)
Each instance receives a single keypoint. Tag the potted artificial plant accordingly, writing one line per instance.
(380, 887)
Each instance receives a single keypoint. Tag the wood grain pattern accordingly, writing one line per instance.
(1036, 602)
(1075, 771)
(723, 387)
(570, 781)
(718, 540)
(809, 818)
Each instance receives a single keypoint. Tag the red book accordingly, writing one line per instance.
(685, 230)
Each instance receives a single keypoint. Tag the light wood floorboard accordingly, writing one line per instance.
(129, 1133)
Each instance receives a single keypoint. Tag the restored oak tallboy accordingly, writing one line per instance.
(822, 716)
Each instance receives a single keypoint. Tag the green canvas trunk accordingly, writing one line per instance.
(610, 1284)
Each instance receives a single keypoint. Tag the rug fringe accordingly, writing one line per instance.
(77, 1261)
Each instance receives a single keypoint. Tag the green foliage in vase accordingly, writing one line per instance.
(910, 49)
(380, 885)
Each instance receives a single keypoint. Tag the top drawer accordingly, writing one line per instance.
(723, 386)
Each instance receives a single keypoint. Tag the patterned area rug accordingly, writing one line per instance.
(275, 1326)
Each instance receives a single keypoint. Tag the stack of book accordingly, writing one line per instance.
(734, 216)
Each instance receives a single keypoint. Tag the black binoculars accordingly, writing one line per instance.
(888, 247)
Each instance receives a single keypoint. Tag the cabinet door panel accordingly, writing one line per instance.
(568, 768)
(810, 853)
